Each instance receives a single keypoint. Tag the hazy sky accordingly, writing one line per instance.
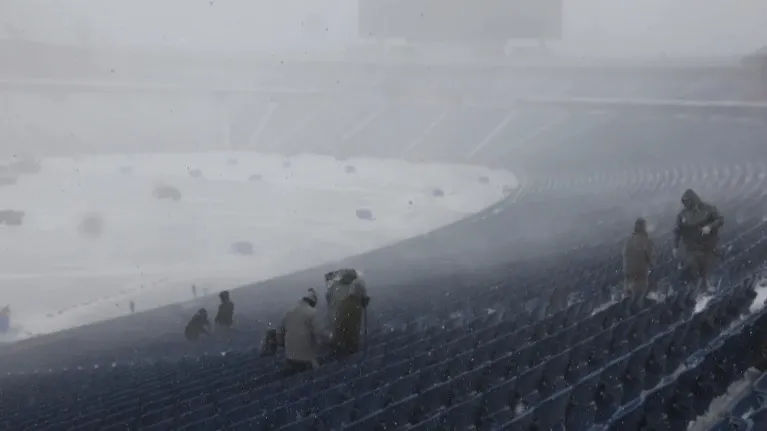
(596, 27)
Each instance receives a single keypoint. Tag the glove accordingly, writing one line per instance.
(365, 301)
(705, 230)
(675, 252)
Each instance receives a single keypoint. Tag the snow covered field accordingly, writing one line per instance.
(297, 213)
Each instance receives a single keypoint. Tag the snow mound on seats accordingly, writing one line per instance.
(300, 213)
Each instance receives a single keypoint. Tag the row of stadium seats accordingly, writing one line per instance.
(707, 373)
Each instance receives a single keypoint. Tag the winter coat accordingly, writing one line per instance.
(5, 320)
(346, 302)
(300, 332)
(637, 256)
(197, 326)
(694, 216)
(225, 313)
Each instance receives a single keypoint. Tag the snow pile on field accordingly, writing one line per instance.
(96, 236)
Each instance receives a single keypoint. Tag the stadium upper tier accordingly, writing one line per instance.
(504, 114)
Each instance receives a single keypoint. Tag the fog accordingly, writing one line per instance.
(222, 142)
(590, 27)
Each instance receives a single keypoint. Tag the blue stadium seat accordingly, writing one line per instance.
(242, 413)
(703, 387)
(655, 407)
(457, 365)
(760, 384)
(620, 343)
(526, 389)
(461, 386)
(656, 366)
(166, 424)
(553, 378)
(197, 414)
(209, 423)
(633, 379)
(483, 353)
(402, 387)
(369, 403)
(498, 370)
(523, 422)
(125, 427)
(610, 391)
(759, 419)
(679, 400)
(306, 424)
(749, 403)
(337, 394)
(629, 419)
(556, 322)
(158, 415)
(428, 377)
(498, 397)
(93, 424)
(582, 408)
(335, 417)
(430, 401)
(676, 351)
(521, 360)
(600, 351)
(578, 364)
(733, 424)
(551, 413)
(463, 416)
(589, 325)
(640, 332)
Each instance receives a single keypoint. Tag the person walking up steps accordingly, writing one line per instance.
(347, 302)
(697, 228)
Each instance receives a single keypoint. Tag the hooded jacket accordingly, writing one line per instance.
(301, 331)
(347, 299)
(341, 290)
(694, 216)
(198, 325)
(638, 253)
(225, 314)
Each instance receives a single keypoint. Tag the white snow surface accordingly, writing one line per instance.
(299, 214)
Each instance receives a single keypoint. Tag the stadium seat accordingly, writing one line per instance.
(551, 413)
(620, 343)
(527, 387)
(553, 377)
(759, 419)
(749, 403)
(629, 419)
(582, 408)
(610, 390)
(733, 424)
(522, 422)
(679, 400)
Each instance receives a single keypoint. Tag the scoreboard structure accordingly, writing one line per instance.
(467, 21)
